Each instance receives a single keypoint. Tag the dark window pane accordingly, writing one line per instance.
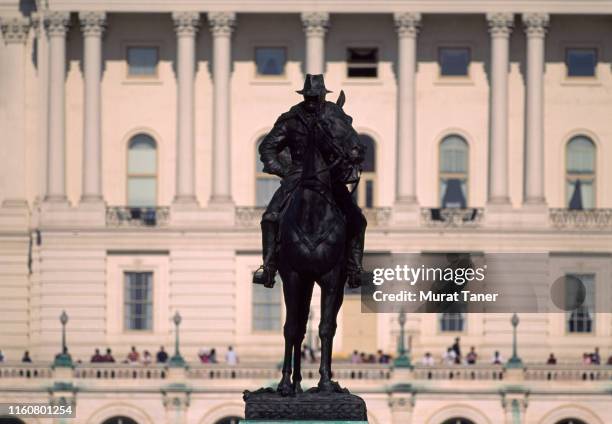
(369, 194)
(581, 62)
(362, 62)
(270, 60)
(142, 61)
(369, 162)
(454, 61)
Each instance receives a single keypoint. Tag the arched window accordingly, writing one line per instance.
(229, 420)
(458, 420)
(453, 172)
(580, 173)
(265, 184)
(571, 421)
(10, 420)
(142, 171)
(120, 420)
(366, 191)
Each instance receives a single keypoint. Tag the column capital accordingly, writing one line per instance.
(536, 24)
(222, 23)
(315, 23)
(15, 29)
(407, 24)
(57, 23)
(186, 23)
(500, 23)
(92, 23)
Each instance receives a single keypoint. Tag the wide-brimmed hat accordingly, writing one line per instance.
(313, 86)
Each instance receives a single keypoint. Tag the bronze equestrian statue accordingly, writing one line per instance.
(312, 230)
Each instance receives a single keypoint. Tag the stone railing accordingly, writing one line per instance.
(342, 371)
(120, 371)
(269, 371)
(249, 217)
(451, 217)
(459, 372)
(581, 219)
(125, 216)
(231, 372)
(20, 370)
(568, 372)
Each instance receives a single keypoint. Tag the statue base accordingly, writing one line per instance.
(268, 406)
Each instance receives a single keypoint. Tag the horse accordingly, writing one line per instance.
(313, 236)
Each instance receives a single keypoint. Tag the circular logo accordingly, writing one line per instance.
(568, 293)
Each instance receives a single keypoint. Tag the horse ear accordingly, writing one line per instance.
(341, 99)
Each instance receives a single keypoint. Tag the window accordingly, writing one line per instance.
(571, 421)
(142, 61)
(138, 301)
(458, 421)
(454, 61)
(366, 190)
(451, 321)
(453, 172)
(270, 60)
(580, 173)
(120, 420)
(142, 172)
(267, 307)
(362, 62)
(265, 184)
(229, 420)
(581, 62)
(580, 320)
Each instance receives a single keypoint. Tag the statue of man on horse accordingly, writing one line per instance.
(282, 153)
(312, 230)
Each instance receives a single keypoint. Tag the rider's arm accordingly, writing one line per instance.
(271, 146)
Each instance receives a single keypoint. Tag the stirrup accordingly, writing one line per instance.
(265, 276)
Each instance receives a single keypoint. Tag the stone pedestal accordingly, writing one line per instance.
(268, 406)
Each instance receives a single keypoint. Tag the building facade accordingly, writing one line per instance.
(131, 189)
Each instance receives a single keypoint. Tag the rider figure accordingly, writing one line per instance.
(293, 130)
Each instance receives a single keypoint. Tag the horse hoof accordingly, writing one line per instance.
(285, 390)
(297, 388)
(329, 386)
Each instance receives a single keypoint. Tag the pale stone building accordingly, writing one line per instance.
(130, 189)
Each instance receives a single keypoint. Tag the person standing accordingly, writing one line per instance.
(230, 357)
(162, 356)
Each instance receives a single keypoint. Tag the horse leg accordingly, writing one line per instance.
(306, 296)
(332, 294)
(291, 292)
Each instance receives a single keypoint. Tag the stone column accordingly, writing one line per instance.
(221, 26)
(12, 109)
(42, 73)
(92, 25)
(57, 26)
(500, 27)
(186, 25)
(315, 26)
(535, 28)
(407, 26)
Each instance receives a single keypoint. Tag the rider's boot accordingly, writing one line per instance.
(354, 266)
(266, 273)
